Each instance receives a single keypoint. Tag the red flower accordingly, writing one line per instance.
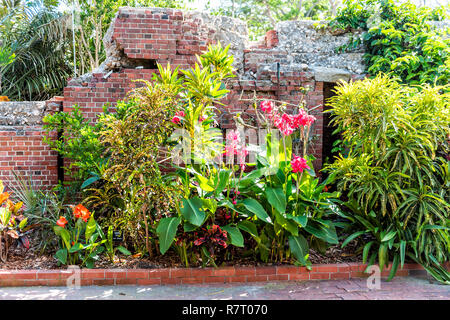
(177, 118)
(61, 222)
(298, 164)
(80, 211)
(266, 106)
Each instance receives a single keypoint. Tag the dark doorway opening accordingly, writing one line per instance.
(329, 138)
(144, 63)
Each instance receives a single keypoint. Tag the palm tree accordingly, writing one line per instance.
(38, 37)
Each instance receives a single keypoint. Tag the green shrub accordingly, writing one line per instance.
(128, 193)
(79, 143)
(394, 176)
(398, 39)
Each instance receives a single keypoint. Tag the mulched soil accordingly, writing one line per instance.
(19, 258)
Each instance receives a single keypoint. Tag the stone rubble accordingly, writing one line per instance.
(14, 113)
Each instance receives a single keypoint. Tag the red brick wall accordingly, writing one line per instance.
(22, 150)
(167, 36)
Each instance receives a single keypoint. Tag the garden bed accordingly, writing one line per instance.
(20, 259)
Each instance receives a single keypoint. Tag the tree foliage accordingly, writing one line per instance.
(37, 37)
(399, 39)
(262, 15)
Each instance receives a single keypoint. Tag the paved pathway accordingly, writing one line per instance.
(399, 288)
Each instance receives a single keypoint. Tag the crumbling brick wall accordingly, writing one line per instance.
(294, 55)
(139, 38)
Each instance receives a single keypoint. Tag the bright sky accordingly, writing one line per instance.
(201, 4)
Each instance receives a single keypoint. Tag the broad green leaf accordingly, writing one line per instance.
(89, 263)
(326, 233)
(61, 256)
(301, 220)
(382, 256)
(289, 225)
(366, 250)
(166, 230)
(64, 234)
(89, 181)
(188, 227)
(192, 211)
(389, 236)
(124, 250)
(402, 253)
(76, 247)
(351, 237)
(210, 204)
(299, 248)
(276, 198)
(394, 268)
(235, 235)
(91, 226)
(255, 207)
(249, 227)
(224, 176)
(371, 261)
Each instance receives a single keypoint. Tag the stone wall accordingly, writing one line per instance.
(21, 147)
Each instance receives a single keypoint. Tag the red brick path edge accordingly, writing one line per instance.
(17, 278)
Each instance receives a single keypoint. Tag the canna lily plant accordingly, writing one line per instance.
(285, 205)
(79, 235)
(279, 205)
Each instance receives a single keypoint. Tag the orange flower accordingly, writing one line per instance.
(3, 197)
(10, 205)
(61, 222)
(80, 211)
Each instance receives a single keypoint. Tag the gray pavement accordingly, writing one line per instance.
(417, 288)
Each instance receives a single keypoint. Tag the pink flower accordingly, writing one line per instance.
(242, 153)
(284, 123)
(202, 118)
(177, 118)
(234, 146)
(298, 164)
(309, 120)
(233, 142)
(266, 106)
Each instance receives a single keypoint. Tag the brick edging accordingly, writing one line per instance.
(17, 278)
